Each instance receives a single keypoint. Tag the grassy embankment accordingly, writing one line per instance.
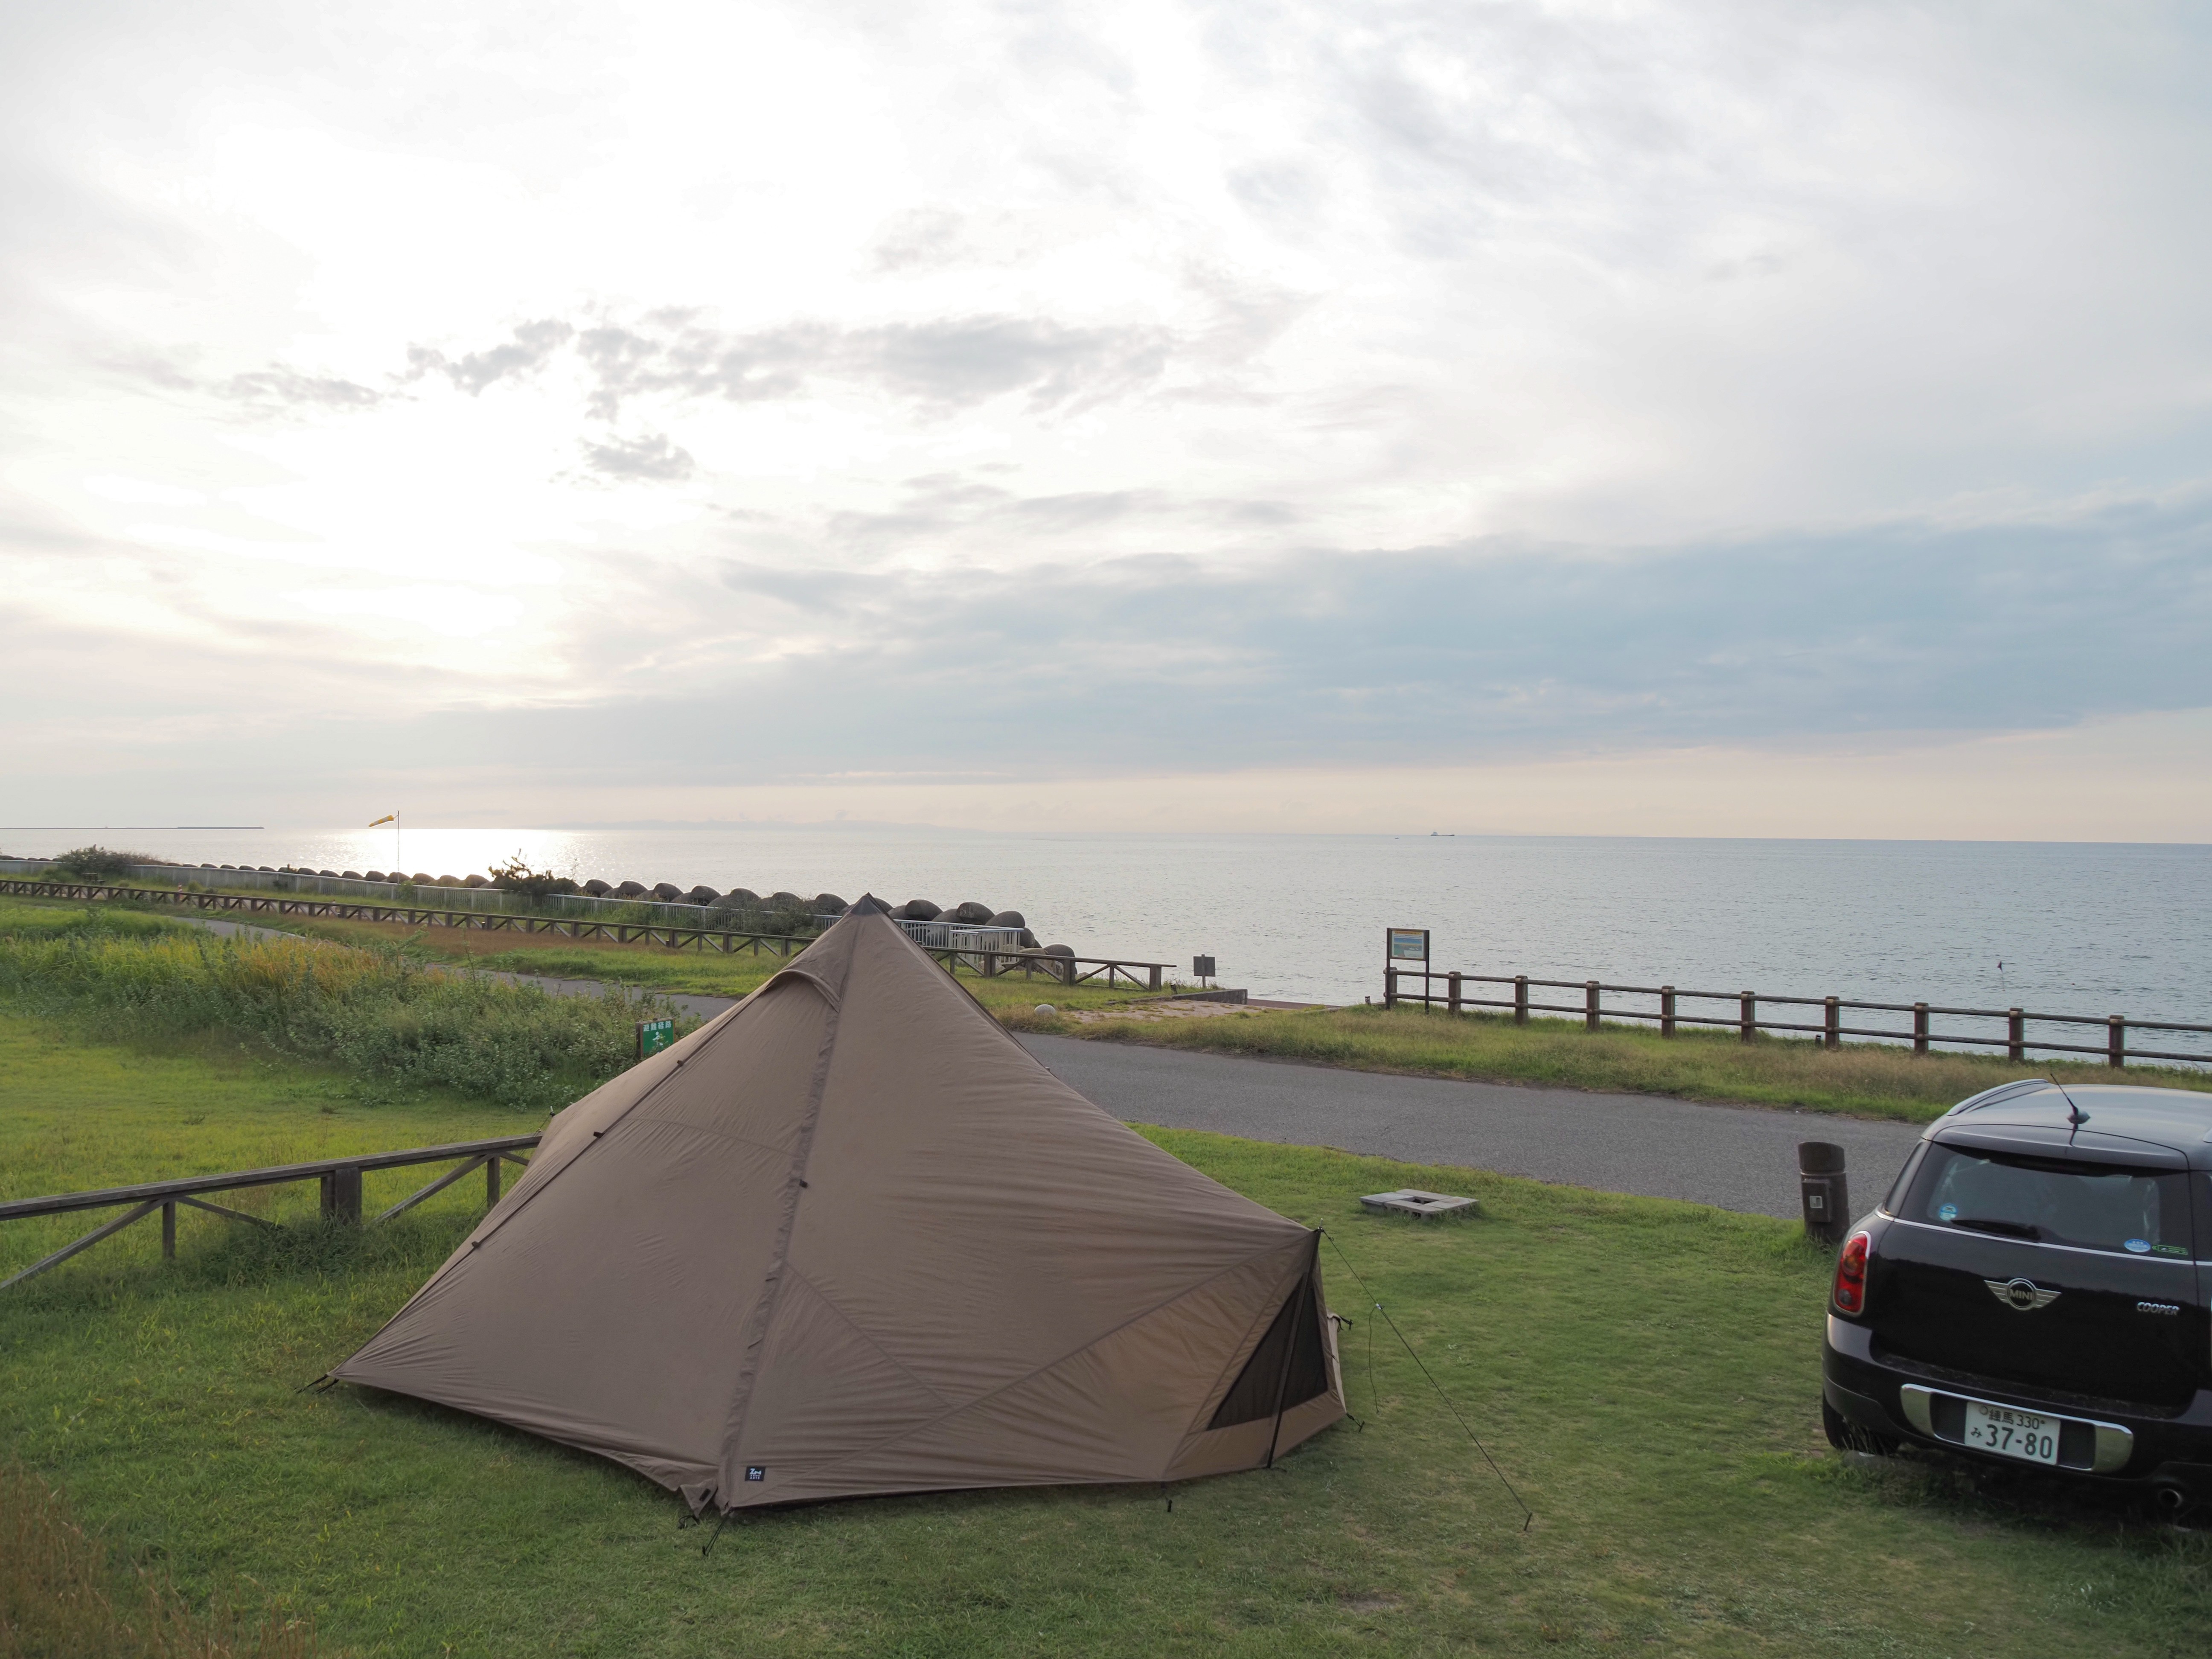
(1866, 1080)
(1645, 1371)
(1861, 1078)
(395, 1023)
(652, 967)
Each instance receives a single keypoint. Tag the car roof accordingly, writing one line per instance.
(2179, 1119)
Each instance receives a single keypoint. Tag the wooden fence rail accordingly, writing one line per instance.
(1064, 970)
(341, 1192)
(1745, 1017)
(1030, 964)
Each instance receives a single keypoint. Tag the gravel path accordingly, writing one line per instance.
(1737, 1158)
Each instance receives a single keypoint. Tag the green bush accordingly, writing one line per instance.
(516, 876)
(375, 1010)
(98, 863)
(760, 919)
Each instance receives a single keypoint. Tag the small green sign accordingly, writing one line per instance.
(653, 1036)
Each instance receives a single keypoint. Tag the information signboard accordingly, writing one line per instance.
(1408, 944)
(653, 1036)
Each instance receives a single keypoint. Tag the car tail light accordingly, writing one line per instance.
(1850, 1291)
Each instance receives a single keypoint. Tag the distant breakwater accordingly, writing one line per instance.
(740, 910)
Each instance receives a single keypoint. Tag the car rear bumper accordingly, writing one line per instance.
(2104, 1444)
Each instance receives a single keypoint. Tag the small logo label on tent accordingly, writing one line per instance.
(756, 1472)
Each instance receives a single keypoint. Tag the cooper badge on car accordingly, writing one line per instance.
(2021, 1293)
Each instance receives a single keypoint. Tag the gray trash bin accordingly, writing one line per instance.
(1823, 1190)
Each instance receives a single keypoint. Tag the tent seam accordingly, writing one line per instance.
(780, 1265)
(854, 1325)
(450, 1269)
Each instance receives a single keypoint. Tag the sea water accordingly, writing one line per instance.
(2095, 928)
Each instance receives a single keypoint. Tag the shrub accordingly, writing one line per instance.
(516, 876)
(98, 863)
(372, 1009)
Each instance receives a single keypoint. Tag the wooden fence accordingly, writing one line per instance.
(993, 964)
(340, 1178)
(1063, 970)
(1746, 1016)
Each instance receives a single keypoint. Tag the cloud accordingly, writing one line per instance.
(1461, 654)
(530, 348)
(281, 388)
(651, 456)
(1030, 390)
(923, 239)
(948, 363)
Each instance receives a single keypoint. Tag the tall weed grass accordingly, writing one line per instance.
(395, 1021)
(61, 1598)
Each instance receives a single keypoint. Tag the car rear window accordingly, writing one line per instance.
(2090, 1206)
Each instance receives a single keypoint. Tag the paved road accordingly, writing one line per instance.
(1736, 1157)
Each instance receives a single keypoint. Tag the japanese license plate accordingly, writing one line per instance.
(2028, 1436)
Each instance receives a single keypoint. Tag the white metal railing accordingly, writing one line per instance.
(957, 936)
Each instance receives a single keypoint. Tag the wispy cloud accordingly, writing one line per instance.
(651, 456)
(531, 345)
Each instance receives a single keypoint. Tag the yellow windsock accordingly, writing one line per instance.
(387, 818)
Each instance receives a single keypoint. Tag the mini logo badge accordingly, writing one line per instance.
(755, 1471)
(2021, 1293)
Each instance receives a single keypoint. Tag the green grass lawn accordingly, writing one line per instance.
(1864, 1079)
(1646, 1373)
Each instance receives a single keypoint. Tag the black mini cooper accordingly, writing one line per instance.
(2030, 1290)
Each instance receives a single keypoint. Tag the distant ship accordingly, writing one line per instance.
(1445, 835)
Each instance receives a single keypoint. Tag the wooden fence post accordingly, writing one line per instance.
(2015, 1036)
(1589, 1005)
(1156, 976)
(1748, 1016)
(1919, 1028)
(2116, 1040)
(342, 1194)
(1666, 1011)
(1832, 1021)
(1389, 988)
(169, 1231)
(491, 1180)
(1452, 984)
(1520, 999)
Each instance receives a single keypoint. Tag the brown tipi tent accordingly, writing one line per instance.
(850, 1238)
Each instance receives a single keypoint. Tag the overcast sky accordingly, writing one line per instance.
(1672, 418)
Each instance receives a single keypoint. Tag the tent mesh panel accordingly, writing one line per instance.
(1293, 1341)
